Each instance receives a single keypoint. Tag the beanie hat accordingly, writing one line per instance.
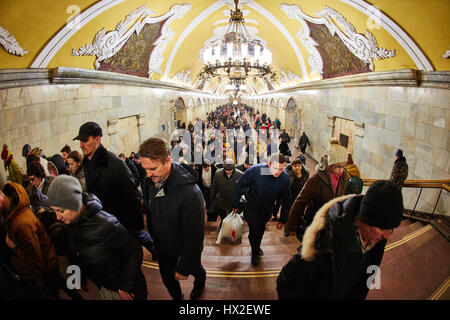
(336, 153)
(399, 153)
(58, 161)
(382, 205)
(65, 192)
(26, 148)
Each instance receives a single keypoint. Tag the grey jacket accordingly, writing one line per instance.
(223, 188)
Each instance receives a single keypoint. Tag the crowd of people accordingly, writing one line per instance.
(89, 207)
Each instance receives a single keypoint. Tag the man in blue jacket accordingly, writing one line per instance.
(175, 217)
(263, 184)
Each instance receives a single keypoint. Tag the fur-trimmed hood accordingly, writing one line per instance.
(309, 249)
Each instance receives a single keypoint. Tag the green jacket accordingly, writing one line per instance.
(15, 173)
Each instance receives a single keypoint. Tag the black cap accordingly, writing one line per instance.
(89, 129)
(382, 205)
(26, 148)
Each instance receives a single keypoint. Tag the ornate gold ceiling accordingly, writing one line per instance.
(163, 39)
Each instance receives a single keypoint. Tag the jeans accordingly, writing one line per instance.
(256, 220)
(168, 266)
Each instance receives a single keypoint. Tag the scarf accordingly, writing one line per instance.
(335, 180)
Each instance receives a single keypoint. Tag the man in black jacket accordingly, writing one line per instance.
(343, 246)
(303, 142)
(223, 188)
(206, 174)
(175, 217)
(110, 180)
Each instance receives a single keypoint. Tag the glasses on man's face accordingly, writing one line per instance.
(339, 166)
(31, 178)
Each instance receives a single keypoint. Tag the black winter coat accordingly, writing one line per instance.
(330, 263)
(223, 188)
(110, 255)
(176, 217)
(109, 178)
(296, 184)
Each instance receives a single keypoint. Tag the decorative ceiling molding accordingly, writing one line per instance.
(315, 59)
(266, 13)
(10, 44)
(395, 31)
(192, 25)
(183, 78)
(50, 50)
(363, 47)
(288, 78)
(107, 44)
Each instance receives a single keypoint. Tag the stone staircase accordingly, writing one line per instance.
(416, 266)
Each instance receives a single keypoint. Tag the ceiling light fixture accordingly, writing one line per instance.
(236, 55)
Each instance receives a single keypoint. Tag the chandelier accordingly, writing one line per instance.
(236, 55)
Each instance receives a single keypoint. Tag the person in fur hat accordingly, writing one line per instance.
(328, 183)
(341, 247)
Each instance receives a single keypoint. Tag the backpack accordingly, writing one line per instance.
(354, 185)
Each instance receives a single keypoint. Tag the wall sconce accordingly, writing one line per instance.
(112, 129)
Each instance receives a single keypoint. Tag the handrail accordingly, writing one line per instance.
(444, 184)
(431, 218)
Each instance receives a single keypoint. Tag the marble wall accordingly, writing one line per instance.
(415, 118)
(49, 116)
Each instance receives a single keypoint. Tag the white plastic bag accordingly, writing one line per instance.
(231, 231)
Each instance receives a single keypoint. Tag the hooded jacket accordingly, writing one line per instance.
(33, 246)
(330, 263)
(176, 216)
(15, 173)
(109, 178)
(317, 191)
(110, 255)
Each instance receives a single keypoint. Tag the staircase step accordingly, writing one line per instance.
(414, 270)
(243, 263)
(240, 250)
(267, 240)
(404, 230)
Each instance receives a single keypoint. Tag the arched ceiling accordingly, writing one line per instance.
(162, 39)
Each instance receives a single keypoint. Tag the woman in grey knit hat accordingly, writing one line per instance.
(110, 255)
